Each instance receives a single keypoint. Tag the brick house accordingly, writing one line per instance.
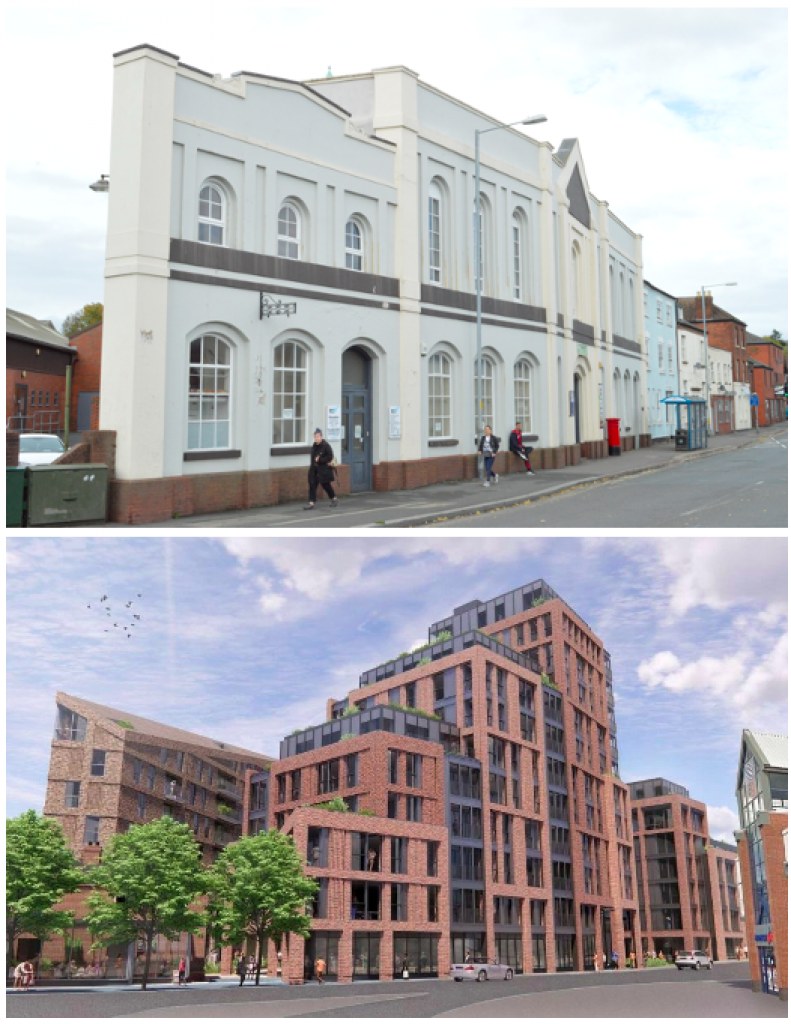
(86, 379)
(687, 882)
(769, 372)
(762, 795)
(38, 359)
(727, 333)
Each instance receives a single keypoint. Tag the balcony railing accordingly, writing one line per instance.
(226, 786)
(229, 814)
(75, 735)
(174, 792)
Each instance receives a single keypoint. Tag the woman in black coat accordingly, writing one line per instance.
(321, 470)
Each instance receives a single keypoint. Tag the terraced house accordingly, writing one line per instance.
(288, 255)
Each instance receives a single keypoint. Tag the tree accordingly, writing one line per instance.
(259, 888)
(151, 876)
(778, 337)
(90, 314)
(40, 870)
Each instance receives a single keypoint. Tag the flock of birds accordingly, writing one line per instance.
(125, 613)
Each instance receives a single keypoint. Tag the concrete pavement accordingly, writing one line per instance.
(404, 509)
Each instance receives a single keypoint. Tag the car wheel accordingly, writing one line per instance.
(680, 967)
(457, 979)
(509, 974)
(482, 976)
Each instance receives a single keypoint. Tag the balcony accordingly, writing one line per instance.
(222, 837)
(173, 791)
(227, 813)
(228, 786)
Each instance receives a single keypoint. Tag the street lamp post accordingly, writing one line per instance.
(727, 284)
(537, 119)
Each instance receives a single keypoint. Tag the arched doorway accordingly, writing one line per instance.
(577, 409)
(356, 418)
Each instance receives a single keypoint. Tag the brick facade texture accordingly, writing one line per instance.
(771, 407)
(86, 375)
(50, 396)
(12, 447)
(777, 885)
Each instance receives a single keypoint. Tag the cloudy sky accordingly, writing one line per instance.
(681, 116)
(244, 639)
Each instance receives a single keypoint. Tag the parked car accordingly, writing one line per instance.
(481, 968)
(694, 959)
(39, 449)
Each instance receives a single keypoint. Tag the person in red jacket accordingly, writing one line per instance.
(519, 449)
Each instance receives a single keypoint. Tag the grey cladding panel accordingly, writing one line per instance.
(578, 201)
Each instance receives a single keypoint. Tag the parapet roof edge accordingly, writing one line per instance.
(660, 290)
(146, 46)
(291, 81)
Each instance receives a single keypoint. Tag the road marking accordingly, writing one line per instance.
(722, 501)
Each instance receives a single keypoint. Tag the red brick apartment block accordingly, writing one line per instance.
(769, 371)
(687, 882)
(762, 793)
(87, 373)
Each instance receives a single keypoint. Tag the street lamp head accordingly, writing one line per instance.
(730, 284)
(102, 185)
(535, 120)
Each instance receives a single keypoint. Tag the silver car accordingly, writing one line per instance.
(694, 959)
(39, 449)
(481, 968)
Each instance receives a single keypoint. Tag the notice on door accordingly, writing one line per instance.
(334, 423)
(395, 422)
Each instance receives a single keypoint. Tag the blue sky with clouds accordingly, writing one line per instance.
(244, 639)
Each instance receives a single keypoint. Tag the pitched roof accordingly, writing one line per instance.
(164, 732)
(717, 312)
(773, 747)
(22, 325)
(660, 290)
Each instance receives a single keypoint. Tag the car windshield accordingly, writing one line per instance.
(685, 952)
(40, 444)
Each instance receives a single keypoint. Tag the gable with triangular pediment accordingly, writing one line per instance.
(578, 200)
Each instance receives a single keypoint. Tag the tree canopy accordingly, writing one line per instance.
(40, 870)
(151, 877)
(258, 887)
(90, 314)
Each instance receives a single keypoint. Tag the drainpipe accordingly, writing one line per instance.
(67, 412)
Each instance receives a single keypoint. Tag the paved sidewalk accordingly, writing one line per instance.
(403, 509)
(220, 982)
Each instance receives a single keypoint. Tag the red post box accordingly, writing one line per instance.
(614, 436)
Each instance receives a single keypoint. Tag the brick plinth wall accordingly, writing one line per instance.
(94, 414)
(80, 453)
(645, 440)
(11, 448)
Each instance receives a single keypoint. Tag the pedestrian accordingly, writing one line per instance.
(241, 970)
(468, 957)
(518, 448)
(279, 962)
(182, 971)
(596, 962)
(19, 975)
(29, 975)
(615, 959)
(321, 470)
(488, 446)
(321, 967)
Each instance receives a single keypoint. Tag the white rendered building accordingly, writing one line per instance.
(351, 199)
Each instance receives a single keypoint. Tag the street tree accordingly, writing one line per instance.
(90, 314)
(259, 889)
(40, 870)
(151, 877)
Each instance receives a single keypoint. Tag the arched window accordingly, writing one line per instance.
(212, 215)
(522, 405)
(623, 326)
(631, 308)
(576, 308)
(439, 396)
(613, 306)
(209, 399)
(435, 233)
(290, 394)
(354, 246)
(517, 241)
(487, 392)
(289, 224)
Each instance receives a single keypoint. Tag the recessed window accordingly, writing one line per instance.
(72, 794)
(516, 241)
(290, 394)
(209, 401)
(212, 208)
(487, 392)
(289, 224)
(435, 233)
(354, 246)
(439, 396)
(91, 831)
(98, 762)
(141, 805)
(522, 394)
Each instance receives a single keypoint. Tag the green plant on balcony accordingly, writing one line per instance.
(225, 809)
(538, 601)
(347, 736)
(424, 661)
(414, 711)
(369, 814)
(336, 804)
(351, 710)
(549, 681)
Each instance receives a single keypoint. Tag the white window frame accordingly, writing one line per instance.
(202, 397)
(481, 245)
(355, 253)
(205, 220)
(670, 358)
(683, 348)
(517, 244)
(279, 395)
(487, 390)
(287, 243)
(435, 214)
(523, 405)
(659, 311)
(668, 314)
(440, 399)
(660, 349)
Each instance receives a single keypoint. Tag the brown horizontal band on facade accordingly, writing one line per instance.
(560, 319)
(239, 261)
(229, 453)
(437, 296)
(578, 327)
(470, 318)
(447, 442)
(303, 449)
(625, 343)
(276, 289)
(21, 355)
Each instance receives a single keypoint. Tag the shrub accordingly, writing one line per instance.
(347, 736)
(414, 711)
(351, 710)
(538, 601)
(336, 804)
(211, 968)
(124, 724)
(424, 661)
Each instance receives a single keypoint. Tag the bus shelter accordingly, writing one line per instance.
(691, 432)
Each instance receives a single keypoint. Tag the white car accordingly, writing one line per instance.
(481, 968)
(693, 958)
(39, 449)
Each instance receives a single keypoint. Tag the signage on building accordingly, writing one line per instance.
(395, 421)
(334, 423)
(754, 400)
(582, 350)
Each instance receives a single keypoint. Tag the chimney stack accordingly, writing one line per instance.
(699, 307)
